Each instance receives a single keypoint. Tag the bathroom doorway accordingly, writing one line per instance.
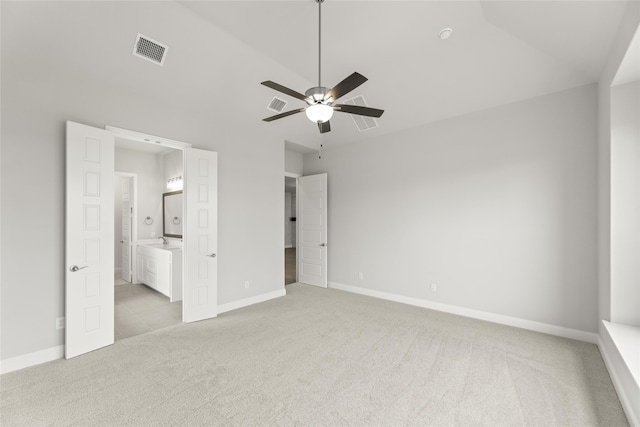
(143, 172)
(89, 235)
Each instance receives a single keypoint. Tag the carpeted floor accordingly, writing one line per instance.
(322, 357)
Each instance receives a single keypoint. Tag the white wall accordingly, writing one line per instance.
(626, 31)
(39, 94)
(292, 224)
(498, 208)
(287, 221)
(293, 162)
(151, 184)
(173, 166)
(625, 203)
(613, 348)
(289, 224)
(117, 215)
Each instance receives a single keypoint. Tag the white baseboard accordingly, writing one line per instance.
(31, 359)
(475, 314)
(223, 308)
(626, 386)
(288, 246)
(54, 353)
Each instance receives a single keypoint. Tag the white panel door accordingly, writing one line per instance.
(89, 239)
(126, 228)
(312, 232)
(200, 285)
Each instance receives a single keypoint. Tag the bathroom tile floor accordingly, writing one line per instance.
(139, 309)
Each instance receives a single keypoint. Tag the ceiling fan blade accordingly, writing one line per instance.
(283, 89)
(286, 114)
(345, 86)
(324, 127)
(357, 109)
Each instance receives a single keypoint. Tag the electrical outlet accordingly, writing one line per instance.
(434, 287)
(246, 284)
(360, 276)
(60, 323)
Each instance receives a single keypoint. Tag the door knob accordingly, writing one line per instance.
(75, 268)
(121, 241)
(323, 245)
(212, 255)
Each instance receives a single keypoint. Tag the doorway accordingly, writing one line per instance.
(89, 235)
(140, 308)
(290, 237)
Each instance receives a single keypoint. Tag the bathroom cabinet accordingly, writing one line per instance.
(161, 269)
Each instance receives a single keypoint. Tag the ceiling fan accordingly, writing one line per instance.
(321, 102)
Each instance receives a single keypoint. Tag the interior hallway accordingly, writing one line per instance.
(289, 266)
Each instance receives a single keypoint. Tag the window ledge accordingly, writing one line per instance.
(626, 338)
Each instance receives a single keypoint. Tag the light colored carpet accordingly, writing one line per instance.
(322, 357)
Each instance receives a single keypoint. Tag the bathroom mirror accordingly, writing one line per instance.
(172, 214)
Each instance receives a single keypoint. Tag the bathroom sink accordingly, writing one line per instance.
(163, 246)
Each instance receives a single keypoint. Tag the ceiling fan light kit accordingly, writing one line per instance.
(321, 101)
(319, 113)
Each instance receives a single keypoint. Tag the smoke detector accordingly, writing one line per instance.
(445, 33)
(149, 49)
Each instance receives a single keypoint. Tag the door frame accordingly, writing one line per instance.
(134, 223)
(184, 147)
(147, 139)
(296, 176)
(113, 133)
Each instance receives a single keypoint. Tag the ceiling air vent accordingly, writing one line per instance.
(362, 122)
(150, 50)
(277, 105)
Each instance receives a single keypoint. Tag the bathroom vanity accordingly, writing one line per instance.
(159, 266)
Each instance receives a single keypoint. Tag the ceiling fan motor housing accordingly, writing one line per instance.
(317, 94)
(319, 99)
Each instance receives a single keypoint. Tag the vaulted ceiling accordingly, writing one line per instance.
(500, 52)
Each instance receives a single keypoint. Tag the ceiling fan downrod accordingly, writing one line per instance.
(316, 94)
(321, 102)
(319, 41)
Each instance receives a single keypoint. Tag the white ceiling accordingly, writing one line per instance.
(500, 52)
(219, 51)
(629, 70)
